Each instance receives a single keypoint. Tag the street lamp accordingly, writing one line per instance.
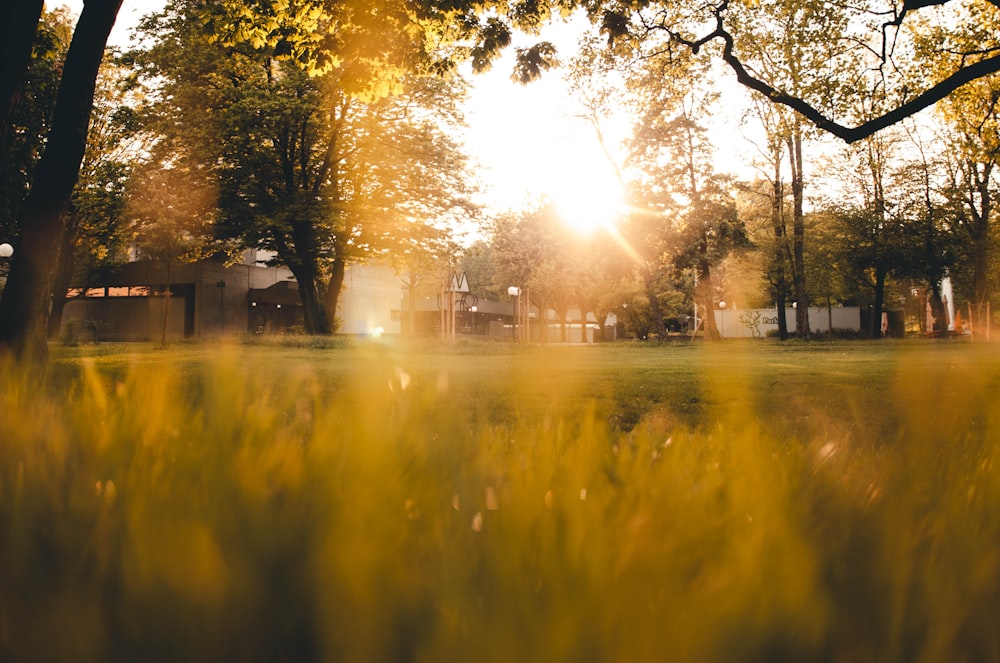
(473, 309)
(514, 292)
(6, 251)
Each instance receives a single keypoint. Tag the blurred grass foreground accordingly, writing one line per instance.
(367, 503)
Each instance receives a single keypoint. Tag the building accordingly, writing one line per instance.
(212, 298)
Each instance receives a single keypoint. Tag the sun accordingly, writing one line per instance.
(587, 198)
(532, 143)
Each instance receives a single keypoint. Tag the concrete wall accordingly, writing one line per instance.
(750, 323)
(124, 319)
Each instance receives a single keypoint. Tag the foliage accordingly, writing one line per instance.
(891, 222)
(312, 168)
(531, 250)
(866, 46)
(96, 230)
(32, 118)
(972, 131)
(478, 264)
(539, 506)
(371, 45)
(24, 307)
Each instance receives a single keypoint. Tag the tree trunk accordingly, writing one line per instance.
(937, 309)
(829, 316)
(411, 300)
(875, 319)
(333, 289)
(979, 185)
(704, 294)
(166, 307)
(18, 24)
(778, 223)
(316, 317)
(798, 234)
(63, 275)
(654, 304)
(543, 322)
(313, 313)
(24, 309)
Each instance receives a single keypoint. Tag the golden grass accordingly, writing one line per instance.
(599, 504)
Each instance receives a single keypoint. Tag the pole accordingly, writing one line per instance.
(516, 329)
(221, 285)
(515, 293)
(451, 300)
(527, 315)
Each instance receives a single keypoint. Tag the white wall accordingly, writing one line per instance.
(743, 323)
(371, 293)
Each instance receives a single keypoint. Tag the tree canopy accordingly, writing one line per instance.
(864, 46)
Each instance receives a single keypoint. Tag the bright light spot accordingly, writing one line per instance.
(587, 201)
(378, 332)
(535, 143)
(403, 377)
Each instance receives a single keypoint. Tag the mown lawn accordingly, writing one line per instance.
(391, 501)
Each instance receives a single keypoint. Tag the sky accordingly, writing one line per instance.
(527, 140)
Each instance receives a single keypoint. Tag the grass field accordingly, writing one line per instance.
(417, 502)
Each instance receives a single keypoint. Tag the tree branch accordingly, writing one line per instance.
(852, 134)
(929, 97)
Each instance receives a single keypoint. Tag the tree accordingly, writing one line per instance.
(478, 264)
(828, 263)
(774, 120)
(529, 251)
(891, 222)
(597, 274)
(301, 32)
(95, 239)
(797, 47)
(25, 303)
(323, 169)
(707, 231)
(875, 30)
(784, 142)
(762, 207)
(19, 22)
(31, 118)
(971, 118)
(672, 150)
(171, 213)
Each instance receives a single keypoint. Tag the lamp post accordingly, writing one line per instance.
(6, 251)
(473, 309)
(221, 285)
(514, 292)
